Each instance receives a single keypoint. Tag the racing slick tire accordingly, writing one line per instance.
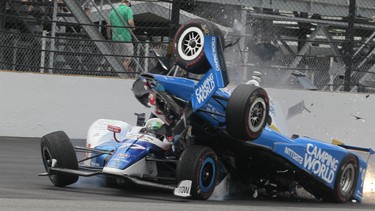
(189, 45)
(247, 112)
(140, 92)
(200, 165)
(346, 181)
(57, 146)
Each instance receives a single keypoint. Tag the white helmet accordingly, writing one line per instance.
(256, 79)
(154, 124)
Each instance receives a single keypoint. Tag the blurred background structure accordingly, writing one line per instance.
(299, 44)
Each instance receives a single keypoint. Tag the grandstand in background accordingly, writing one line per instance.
(300, 44)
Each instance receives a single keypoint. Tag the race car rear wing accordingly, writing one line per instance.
(369, 150)
(355, 148)
(341, 144)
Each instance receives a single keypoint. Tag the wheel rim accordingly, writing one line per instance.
(207, 175)
(257, 114)
(47, 161)
(191, 43)
(347, 179)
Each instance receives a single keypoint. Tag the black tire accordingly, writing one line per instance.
(57, 146)
(140, 92)
(247, 112)
(191, 56)
(200, 165)
(346, 181)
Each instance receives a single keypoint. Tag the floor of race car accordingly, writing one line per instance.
(21, 188)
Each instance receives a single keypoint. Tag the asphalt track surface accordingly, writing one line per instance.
(22, 189)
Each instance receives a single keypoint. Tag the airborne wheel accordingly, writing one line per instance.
(189, 45)
(247, 112)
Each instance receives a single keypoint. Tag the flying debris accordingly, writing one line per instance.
(297, 109)
(358, 118)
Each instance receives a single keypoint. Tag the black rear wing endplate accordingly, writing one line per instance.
(362, 149)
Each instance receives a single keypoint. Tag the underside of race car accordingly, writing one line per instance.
(201, 137)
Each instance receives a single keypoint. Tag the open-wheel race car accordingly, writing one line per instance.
(202, 137)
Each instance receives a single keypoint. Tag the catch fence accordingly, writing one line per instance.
(302, 44)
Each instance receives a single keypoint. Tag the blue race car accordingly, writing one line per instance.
(202, 137)
(238, 128)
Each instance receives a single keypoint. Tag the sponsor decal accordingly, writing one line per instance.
(183, 189)
(214, 54)
(205, 89)
(320, 163)
(152, 99)
(114, 129)
(124, 155)
(298, 158)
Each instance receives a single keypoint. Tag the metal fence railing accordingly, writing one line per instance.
(327, 45)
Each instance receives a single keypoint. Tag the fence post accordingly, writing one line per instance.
(43, 53)
(2, 27)
(53, 35)
(175, 19)
(349, 45)
(243, 44)
(2, 11)
(147, 54)
(15, 52)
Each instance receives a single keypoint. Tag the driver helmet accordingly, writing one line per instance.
(154, 124)
(255, 79)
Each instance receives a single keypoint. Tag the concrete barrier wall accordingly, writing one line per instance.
(33, 105)
(349, 117)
